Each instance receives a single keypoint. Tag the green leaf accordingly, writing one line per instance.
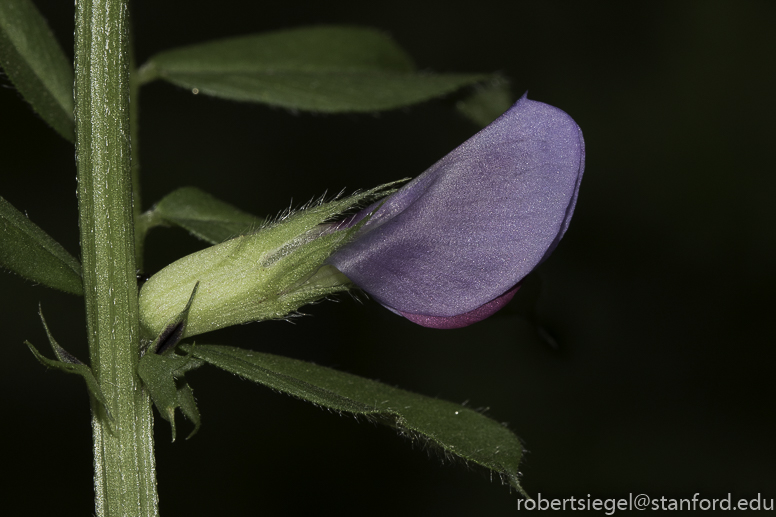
(488, 102)
(325, 69)
(36, 64)
(457, 430)
(31, 253)
(68, 363)
(163, 376)
(203, 215)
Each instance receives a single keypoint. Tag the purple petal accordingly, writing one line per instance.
(470, 228)
(465, 319)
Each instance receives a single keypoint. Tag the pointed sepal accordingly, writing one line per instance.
(162, 372)
(174, 329)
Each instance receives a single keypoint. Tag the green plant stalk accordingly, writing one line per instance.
(124, 465)
(134, 128)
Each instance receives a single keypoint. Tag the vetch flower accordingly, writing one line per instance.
(451, 247)
(446, 250)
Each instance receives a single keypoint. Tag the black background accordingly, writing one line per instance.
(660, 298)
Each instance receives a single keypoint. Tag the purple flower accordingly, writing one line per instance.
(451, 247)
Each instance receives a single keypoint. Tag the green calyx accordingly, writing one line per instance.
(259, 276)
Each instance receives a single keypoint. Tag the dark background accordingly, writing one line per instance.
(659, 299)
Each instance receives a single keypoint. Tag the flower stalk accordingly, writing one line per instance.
(124, 470)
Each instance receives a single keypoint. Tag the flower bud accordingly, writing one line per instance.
(259, 276)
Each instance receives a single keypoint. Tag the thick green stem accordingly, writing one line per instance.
(124, 470)
(134, 112)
